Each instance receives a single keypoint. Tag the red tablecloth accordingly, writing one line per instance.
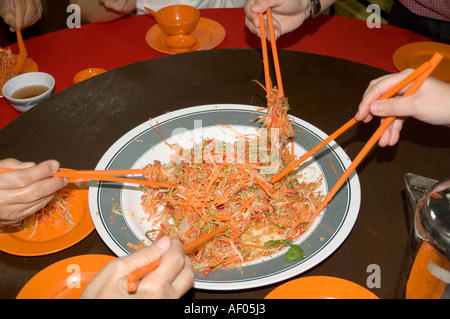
(111, 45)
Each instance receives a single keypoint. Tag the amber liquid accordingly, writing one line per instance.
(29, 92)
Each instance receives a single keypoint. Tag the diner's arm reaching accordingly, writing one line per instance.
(171, 279)
(287, 15)
(430, 104)
(26, 189)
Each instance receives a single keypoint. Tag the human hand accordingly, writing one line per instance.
(20, 14)
(287, 15)
(124, 6)
(430, 104)
(171, 279)
(26, 189)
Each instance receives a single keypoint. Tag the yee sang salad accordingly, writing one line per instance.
(56, 214)
(7, 62)
(216, 187)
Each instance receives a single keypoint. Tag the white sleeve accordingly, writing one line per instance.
(158, 4)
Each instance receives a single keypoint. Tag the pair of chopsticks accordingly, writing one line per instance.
(110, 176)
(104, 175)
(417, 77)
(274, 52)
(135, 276)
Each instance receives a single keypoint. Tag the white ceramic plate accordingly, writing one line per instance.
(142, 145)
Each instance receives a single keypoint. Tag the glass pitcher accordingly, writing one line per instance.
(427, 267)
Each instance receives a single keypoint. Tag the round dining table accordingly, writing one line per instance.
(326, 66)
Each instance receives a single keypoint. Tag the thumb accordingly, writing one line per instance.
(397, 106)
(258, 8)
(148, 254)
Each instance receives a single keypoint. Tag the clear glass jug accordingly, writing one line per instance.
(427, 267)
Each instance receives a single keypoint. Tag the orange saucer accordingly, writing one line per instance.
(320, 287)
(87, 74)
(30, 66)
(49, 239)
(208, 33)
(65, 279)
(412, 55)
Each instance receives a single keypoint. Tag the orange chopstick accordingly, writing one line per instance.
(437, 57)
(314, 150)
(273, 43)
(82, 177)
(393, 91)
(110, 172)
(102, 176)
(274, 52)
(23, 54)
(134, 277)
(264, 52)
(108, 175)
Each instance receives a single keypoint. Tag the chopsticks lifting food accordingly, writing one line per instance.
(104, 175)
(274, 52)
(394, 90)
(418, 76)
(134, 277)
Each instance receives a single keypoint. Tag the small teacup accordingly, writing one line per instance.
(178, 19)
(26, 90)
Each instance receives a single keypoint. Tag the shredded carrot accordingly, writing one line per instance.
(162, 137)
(56, 213)
(7, 64)
(220, 188)
(264, 185)
(331, 164)
(215, 177)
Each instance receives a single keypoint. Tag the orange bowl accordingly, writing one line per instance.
(87, 74)
(178, 19)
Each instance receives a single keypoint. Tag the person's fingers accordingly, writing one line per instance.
(371, 94)
(261, 6)
(16, 212)
(396, 128)
(397, 106)
(28, 188)
(169, 280)
(392, 135)
(252, 18)
(374, 91)
(22, 13)
(18, 9)
(35, 191)
(147, 254)
(249, 23)
(33, 13)
(113, 276)
(120, 5)
(29, 175)
(185, 279)
(173, 259)
(14, 163)
(172, 278)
